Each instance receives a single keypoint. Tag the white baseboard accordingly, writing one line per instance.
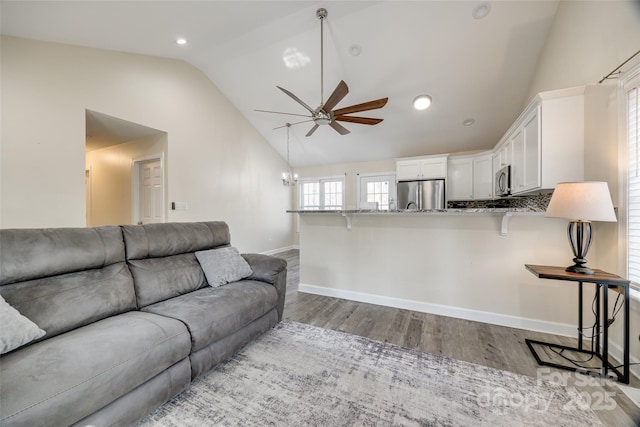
(277, 251)
(462, 313)
(445, 310)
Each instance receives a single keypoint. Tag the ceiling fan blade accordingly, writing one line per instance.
(360, 120)
(279, 112)
(339, 128)
(365, 106)
(338, 93)
(313, 129)
(298, 100)
(296, 123)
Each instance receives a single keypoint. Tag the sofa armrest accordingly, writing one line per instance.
(271, 270)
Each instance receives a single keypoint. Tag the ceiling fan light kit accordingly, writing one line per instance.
(325, 114)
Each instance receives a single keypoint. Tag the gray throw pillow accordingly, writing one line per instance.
(15, 329)
(223, 265)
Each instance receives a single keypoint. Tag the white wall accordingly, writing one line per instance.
(452, 264)
(218, 162)
(588, 39)
(111, 178)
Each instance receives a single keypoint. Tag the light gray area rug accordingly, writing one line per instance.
(301, 375)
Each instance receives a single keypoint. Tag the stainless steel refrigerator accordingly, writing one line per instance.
(427, 194)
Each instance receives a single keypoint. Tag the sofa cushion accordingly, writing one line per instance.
(213, 313)
(63, 379)
(65, 278)
(162, 260)
(205, 359)
(223, 265)
(27, 254)
(15, 329)
(61, 303)
(158, 279)
(160, 240)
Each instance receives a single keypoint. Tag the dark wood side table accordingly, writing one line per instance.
(604, 282)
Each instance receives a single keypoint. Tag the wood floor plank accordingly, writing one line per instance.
(484, 344)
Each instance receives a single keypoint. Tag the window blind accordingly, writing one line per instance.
(633, 185)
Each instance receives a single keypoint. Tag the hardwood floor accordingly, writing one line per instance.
(484, 344)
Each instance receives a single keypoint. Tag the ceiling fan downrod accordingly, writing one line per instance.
(321, 14)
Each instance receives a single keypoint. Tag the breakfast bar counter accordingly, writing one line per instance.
(421, 211)
(506, 213)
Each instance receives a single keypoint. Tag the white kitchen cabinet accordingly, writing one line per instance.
(526, 154)
(483, 177)
(460, 178)
(547, 142)
(470, 177)
(503, 155)
(431, 167)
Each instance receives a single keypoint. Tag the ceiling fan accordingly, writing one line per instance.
(325, 114)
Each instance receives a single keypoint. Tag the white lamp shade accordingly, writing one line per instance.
(586, 201)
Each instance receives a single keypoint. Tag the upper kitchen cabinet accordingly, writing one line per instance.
(547, 142)
(470, 177)
(460, 178)
(419, 168)
(503, 155)
(482, 177)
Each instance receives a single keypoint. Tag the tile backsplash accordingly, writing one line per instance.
(537, 202)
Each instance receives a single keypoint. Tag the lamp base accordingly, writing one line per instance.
(579, 233)
(580, 269)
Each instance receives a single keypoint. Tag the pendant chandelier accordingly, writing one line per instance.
(288, 177)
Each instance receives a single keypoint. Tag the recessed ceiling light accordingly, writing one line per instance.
(422, 102)
(468, 122)
(181, 41)
(481, 10)
(355, 50)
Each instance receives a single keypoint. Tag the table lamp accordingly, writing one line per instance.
(581, 202)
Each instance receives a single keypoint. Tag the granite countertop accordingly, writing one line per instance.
(424, 211)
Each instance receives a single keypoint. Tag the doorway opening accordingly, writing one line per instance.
(118, 155)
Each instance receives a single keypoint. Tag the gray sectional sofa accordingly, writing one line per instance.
(129, 316)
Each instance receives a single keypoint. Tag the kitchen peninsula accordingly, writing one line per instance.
(452, 262)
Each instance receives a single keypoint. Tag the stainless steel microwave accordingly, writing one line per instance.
(503, 182)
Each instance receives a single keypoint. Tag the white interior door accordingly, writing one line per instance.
(151, 192)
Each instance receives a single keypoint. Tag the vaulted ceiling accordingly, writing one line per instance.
(473, 67)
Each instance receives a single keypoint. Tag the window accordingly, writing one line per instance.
(631, 93)
(377, 188)
(321, 194)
